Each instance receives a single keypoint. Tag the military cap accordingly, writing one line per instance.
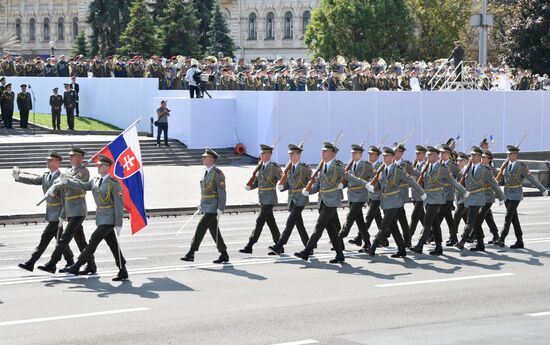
(374, 149)
(388, 151)
(329, 147)
(462, 155)
(66, 84)
(420, 148)
(210, 153)
(8, 85)
(104, 160)
(400, 147)
(54, 155)
(512, 149)
(451, 141)
(55, 89)
(293, 148)
(357, 148)
(77, 151)
(432, 149)
(23, 85)
(447, 148)
(2, 79)
(488, 154)
(265, 148)
(484, 142)
(476, 151)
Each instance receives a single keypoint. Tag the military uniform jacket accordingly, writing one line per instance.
(6, 101)
(417, 170)
(213, 193)
(449, 188)
(327, 185)
(408, 168)
(476, 185)
(435, 182)
(74, 199)
(266, 181)
(489, 193)
(53, 203)
(390, 185)
(513, 179)
(56, 102)
(24, 102)
(108, 196)
(296, 181)
(69, 99)
(357, 178)
(376, 195)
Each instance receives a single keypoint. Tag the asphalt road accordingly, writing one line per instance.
(501, 296)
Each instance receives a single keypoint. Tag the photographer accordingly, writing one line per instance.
(193, 78)
(162, 122)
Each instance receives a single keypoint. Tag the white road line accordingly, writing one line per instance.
(73, 316)
(546, 313)
(300, 342)
(444, 280)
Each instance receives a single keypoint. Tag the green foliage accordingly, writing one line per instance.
(108, 19)
(204, 9)
(141, 34)
(179, 29)
(80, 46)
(218, 36)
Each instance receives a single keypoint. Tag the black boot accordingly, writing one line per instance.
(302, 255)
(48, 267)
(371, 251)
(122, 275)
(29, 266)
(356, 240)
(451, 241)
(90, 268)
(224, 257)
(401, 253)
(480, 247)
(438, 250)
(337, 259)
(495, 239)
(518, 245)
(189, 257)
(74, 269)
(274, 250)
(417, 249)
(247, 249)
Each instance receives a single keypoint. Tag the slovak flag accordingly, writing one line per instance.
(126, 153)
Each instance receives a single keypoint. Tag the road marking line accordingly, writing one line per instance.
(74, 316)
(300, 342)
(444, 280)
(546, 313)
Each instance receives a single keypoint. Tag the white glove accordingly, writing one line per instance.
(118, 229)
(247, 187)
(340, 186)
(424, 197)
(305, 193)
(15, 173)
(500, 203)
(64, 179)
(50, 191)
(545, 193)
(369, 187)
(220, 212)
(466, 195)
(280, 187)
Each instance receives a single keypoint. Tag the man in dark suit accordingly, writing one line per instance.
(76, 89)
(6, 104)
(457, 55)
(24, 104)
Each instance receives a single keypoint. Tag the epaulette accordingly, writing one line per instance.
(522, 164)
(275, 164)
(399, 167)
(339, 163)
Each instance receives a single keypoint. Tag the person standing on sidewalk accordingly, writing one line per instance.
(162, 122)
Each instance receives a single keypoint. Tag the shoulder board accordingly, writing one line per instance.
(407, 162)
(339, 163)
(522, 164)
(486, 167)
(304, 164)
(398, 167)
(275, 164)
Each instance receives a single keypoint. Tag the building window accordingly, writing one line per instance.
(18, 29)
(61, 29)
(288, 25)
(252, 26)
(75, 27)
(305, 23)
(46, 29)
(32, 29)
(270, 26)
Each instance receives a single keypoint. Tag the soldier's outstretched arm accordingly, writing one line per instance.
(36, 181)
(76, 184)
(527, 174)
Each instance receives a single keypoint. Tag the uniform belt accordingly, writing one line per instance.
(74, 197)
(514, 186)
(209, 196)
(356, 188)
(105, 206)
(404, 185)
(328, 190)
(266, 188)
(392, 193)
(53, 204)
(476, 190)
(446, 184)
(437, 189)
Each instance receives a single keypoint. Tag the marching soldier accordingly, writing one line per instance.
(514, 174)
(392, 178)
(69, 100)
(266, 182)
(461, 212)
(418, 211)
(213, 198)
(329, 186)
(297, 179)
(477, 178)
(446, 210)
(109, 198)
(487, 160)
(53, 210)
(435, 178)
(56, 101)
(360, 172)
(399, 150)
(75, 210)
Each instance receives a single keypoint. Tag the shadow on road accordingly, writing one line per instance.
(230, 269)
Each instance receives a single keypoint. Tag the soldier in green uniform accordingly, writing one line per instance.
(461, 211)
(54, 207)
(297, 178)
(514, 175)
(329, 186)
(30, 69)
(109, 199)
(19, 67)
(213, 199)
(418, 210)
(56, 101)
(24, 104)
(399, 150)
(8, 68)
(98, 67)
(266, 182)
(7, 99)
(69, 100)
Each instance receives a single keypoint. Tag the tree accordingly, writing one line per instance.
(362, 29)
(528, 40)
(179, 29)
(203, 9)
(218, 36)
(141, 35)
(438, 25)
(157, 8)
(80, 46)
(108, 19)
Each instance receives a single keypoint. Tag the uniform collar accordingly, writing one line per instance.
(209, 169)
(297, 163)
(512, 164)
(327, 164)
(390, 166)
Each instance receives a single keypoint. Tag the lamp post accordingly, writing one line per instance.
(52, 47)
